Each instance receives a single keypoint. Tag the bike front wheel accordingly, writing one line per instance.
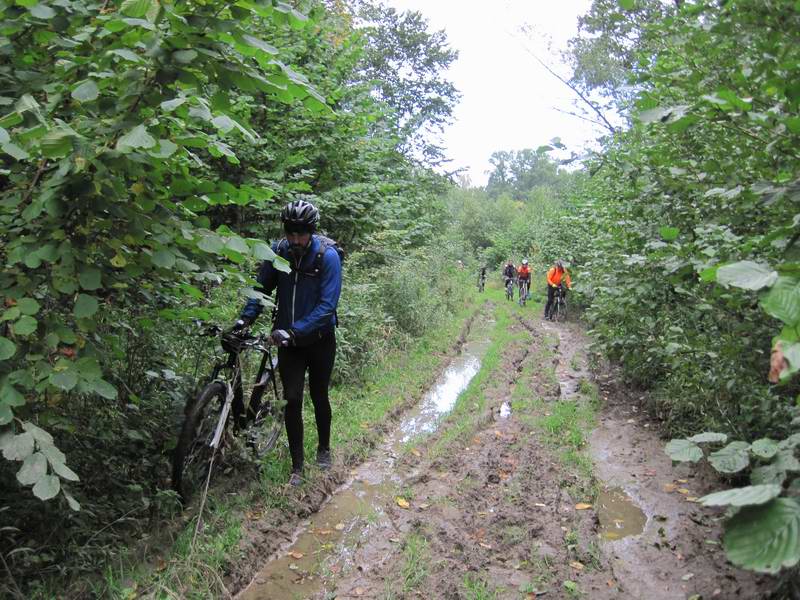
(191, 461)
(267, 416)
(561, 311)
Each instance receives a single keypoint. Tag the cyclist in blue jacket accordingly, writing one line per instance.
(304, 329)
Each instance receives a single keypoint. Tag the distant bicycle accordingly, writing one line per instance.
(509, 288)
(218, 413)
(523, 291)
(559, 310)
(481, 283)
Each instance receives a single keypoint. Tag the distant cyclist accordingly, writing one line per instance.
(524, 275)
(509, 272)
(556, 277)
(481, 278)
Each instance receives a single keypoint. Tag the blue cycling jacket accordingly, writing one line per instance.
(306, 301)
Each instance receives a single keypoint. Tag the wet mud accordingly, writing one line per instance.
(488, 510)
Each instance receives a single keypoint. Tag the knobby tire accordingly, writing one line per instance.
(192, 459)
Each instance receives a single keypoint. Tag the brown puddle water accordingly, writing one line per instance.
(619, 516)
(325, 544)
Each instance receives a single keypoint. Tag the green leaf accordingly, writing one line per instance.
(743, 496)
(163, 258)
(765, 538)
(708, 436)
(85, 306)
(73, 504)
(33, 469)
(783, 300)
(669, 234)
(28, 306)
(136, 8)
(57, 143)
(281, 264)
(6, 416)
(165, 149)
(7, 348)
(19, 447)
(15, 151)
(211, 243)
(42, 11)
(39, 434)
(732, 458)
(136, 138)
(184, 56)
(766, 474)
(53, 454)
(90, 278)
(47, 487)
(86, 91)
(9, 396)
(627, 4)
(4, 137)
(126, 54)
(262, 251)
(764, 448)
(89, 368)
(103, 388)
(747, 275)
(65, 380)
(64, 471)
(25, 326)
(683, 451)
(12, 314)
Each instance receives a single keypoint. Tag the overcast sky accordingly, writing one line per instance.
(508, 100)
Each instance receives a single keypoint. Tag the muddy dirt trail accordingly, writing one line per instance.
(514, 477)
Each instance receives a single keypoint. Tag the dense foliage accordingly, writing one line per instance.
(689, 212)
(147, 147)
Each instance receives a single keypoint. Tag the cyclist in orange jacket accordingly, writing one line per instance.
(557, 276)
(524, 275)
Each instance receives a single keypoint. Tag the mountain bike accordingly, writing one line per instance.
(523, 291)
(559, 310)
(509, 288)
(481, 283)
(217, 414)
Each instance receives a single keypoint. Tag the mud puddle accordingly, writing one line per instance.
(324, 545)
(619, 516)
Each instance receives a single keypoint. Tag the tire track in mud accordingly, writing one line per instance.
(490, 511)
(266, 530)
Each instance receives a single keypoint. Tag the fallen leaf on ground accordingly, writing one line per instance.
(582, 506)
(364, 425)
(577, 565)
(683, 491)
(324, 531)
(691, 498)
(394, 540)
(540, 505)
(358, 591)
(424, 506)
(687, 577)
(670, 487)
(297, 555)
(293, 567)
(416, 452)
(682, 480)
(649, 472)
(339, 527)
(631, 421)
(162, 564)
(402, 502)
(487, 546)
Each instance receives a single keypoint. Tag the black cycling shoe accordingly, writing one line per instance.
(324, 460)
(296, 478)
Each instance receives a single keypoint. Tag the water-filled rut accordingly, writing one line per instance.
(324, 545)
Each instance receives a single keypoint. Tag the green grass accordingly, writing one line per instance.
(416, 560)
(476, 588)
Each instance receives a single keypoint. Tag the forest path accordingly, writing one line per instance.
(537, 483)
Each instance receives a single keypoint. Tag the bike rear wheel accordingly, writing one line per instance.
(266, 409)
(561, 310)
(192, 458)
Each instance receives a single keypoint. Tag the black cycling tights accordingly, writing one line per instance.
(292, 364)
